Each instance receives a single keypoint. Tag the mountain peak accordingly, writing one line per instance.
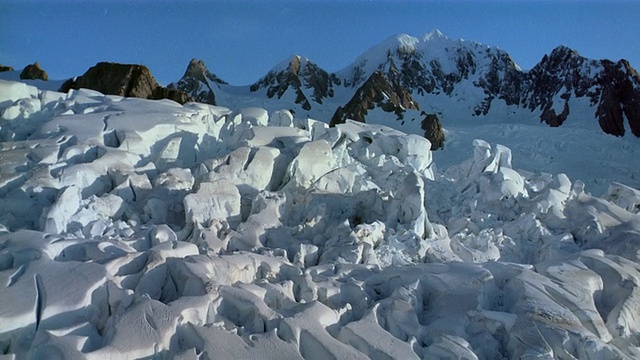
(406, 43)
(292, 63)
(197, 81)
(297, 75)
(435, 52)
(402, 43)
(564, 51)
(435, 34)
(198, 70)
(377, 91)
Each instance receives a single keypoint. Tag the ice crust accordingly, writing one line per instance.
(145, 229)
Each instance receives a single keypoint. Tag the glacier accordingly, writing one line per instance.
(146, 229)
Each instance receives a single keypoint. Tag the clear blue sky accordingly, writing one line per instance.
(241, 40)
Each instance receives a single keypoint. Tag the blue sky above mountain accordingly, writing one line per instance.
(241, 40)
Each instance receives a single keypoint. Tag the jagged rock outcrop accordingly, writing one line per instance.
(198, 82)
(306, 80)
(33, 72)
(433, 131)
(124, 80)
(4, 68)
(377, 91)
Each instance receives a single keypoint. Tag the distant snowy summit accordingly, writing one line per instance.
(459, 80)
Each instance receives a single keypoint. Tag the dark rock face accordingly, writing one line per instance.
(301, 76)
(377, 91)
(5, 68)
(559, 76)
(502, 80)
(124, 80)
(198, 82)
(33, 72)
(620, 95)
(433, 131)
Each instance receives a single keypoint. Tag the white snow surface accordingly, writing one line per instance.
(140, 229)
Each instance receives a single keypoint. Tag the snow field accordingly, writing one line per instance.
(144, 229)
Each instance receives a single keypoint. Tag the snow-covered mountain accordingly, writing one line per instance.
(460, 81)
(480, 78)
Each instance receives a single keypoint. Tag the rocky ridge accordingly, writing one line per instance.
(411, 72)
(127, 80)
(437, 65)
(308, 82)
(456, 79)
(33, 72)
(377, 91)
(199, 82)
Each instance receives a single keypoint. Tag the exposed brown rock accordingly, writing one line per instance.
(6, 68)
(433, 131)
(198, 82)
(124, 80)
(378, 91)
(33, 72)
(550, 117)
(277, 83)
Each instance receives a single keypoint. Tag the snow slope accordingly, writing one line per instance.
(145, 229)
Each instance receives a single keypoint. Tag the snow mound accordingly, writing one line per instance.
(134, 228)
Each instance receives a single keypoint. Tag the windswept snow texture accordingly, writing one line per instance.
(145, 229)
